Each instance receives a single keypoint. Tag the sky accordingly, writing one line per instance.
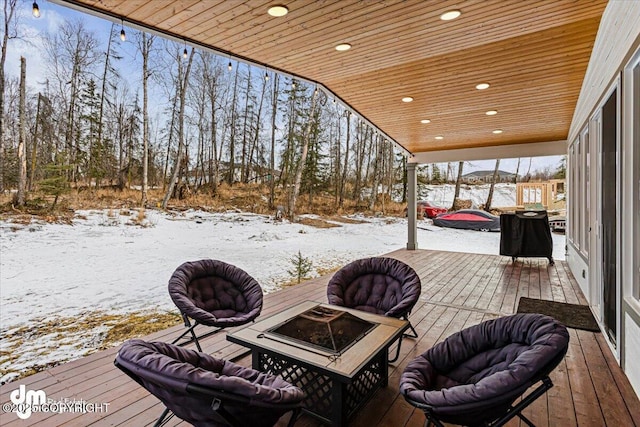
(30, 45)
(102, 263)
(510, 165)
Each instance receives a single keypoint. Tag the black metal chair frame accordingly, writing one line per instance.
(191, 330)
(413, 334)
(513, 411)
(218, 399)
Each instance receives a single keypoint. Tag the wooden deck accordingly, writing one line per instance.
(458, 290)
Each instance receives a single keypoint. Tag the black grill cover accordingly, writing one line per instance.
(526, 234)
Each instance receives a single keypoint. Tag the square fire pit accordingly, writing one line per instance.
(324, 328)
(338, 356)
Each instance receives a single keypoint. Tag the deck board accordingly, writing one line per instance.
(458, 290)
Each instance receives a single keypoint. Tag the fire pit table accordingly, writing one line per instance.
(338, 356)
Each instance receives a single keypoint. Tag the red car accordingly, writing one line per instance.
(427, 209)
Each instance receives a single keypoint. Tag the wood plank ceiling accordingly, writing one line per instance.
(533, 54)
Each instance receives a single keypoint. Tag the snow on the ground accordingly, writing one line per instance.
(104, 263)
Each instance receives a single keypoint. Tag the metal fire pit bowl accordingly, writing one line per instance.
(326, 329)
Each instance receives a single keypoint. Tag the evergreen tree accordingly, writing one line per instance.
(561, 171)
(90, 130)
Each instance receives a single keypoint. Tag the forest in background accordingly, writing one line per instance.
(189, 123)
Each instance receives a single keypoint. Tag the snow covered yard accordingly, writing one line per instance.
(62, 284)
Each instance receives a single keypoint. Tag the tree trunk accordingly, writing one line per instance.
(458, 181)
(146, 46)
(34, 148)
(272, 161)
(243, 158)
(9, 9)
(176, 169)
(22, 152)
(174, 106)
(214, 164)
(528, 175)
(303, 157)
(343, 178)
(102, 95)
(376, 172)
(256, 136)
(335, 171)
(487, 206)
(232, 134)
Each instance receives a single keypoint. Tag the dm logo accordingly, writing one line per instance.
(25, 400)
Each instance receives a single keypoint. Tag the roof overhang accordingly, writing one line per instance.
(536, 149)
(532, 53)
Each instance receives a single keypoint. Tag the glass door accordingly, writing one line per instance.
(608, 185)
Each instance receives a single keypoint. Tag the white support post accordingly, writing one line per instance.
(412, 232)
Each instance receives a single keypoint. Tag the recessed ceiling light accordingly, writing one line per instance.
(482, 86)
(278, 10)
(343, 46)
(491, 113)
(439, 137)
(425, 121)
(449, 15)
(497, 131)
(407, 99)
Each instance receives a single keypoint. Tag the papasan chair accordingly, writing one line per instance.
(206, 391)
(474, 376)
(384, 286)
(215, 294)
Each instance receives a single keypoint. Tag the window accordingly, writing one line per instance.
(578, 230)
(584, 194)
(572, 201)
(635, 136)
(569, 194)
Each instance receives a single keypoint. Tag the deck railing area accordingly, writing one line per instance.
(458, 290)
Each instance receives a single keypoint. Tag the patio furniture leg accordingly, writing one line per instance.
(413, 334)
(190, 330)
(164, 418)
(294, 417)
(428, 422)
(528, 400)
(397, 350)
(194, 338)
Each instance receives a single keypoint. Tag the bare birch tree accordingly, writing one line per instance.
(145, 46)
(343, 178)
(180, 155)
(377, 160)
(22, 151)
(494, 178)
(303, 157)
(9, 32)
(456, 194)
(272, 154)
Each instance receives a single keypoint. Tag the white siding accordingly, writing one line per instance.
(632, 353)
(617, 42)
(619, 31)
(578, 265)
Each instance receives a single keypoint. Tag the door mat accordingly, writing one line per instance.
(571, 315)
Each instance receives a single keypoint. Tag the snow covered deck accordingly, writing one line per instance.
(458, 290)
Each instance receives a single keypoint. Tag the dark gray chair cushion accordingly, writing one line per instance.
(167, 371)
(476, 374)
(379, 285)
(215, 293)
